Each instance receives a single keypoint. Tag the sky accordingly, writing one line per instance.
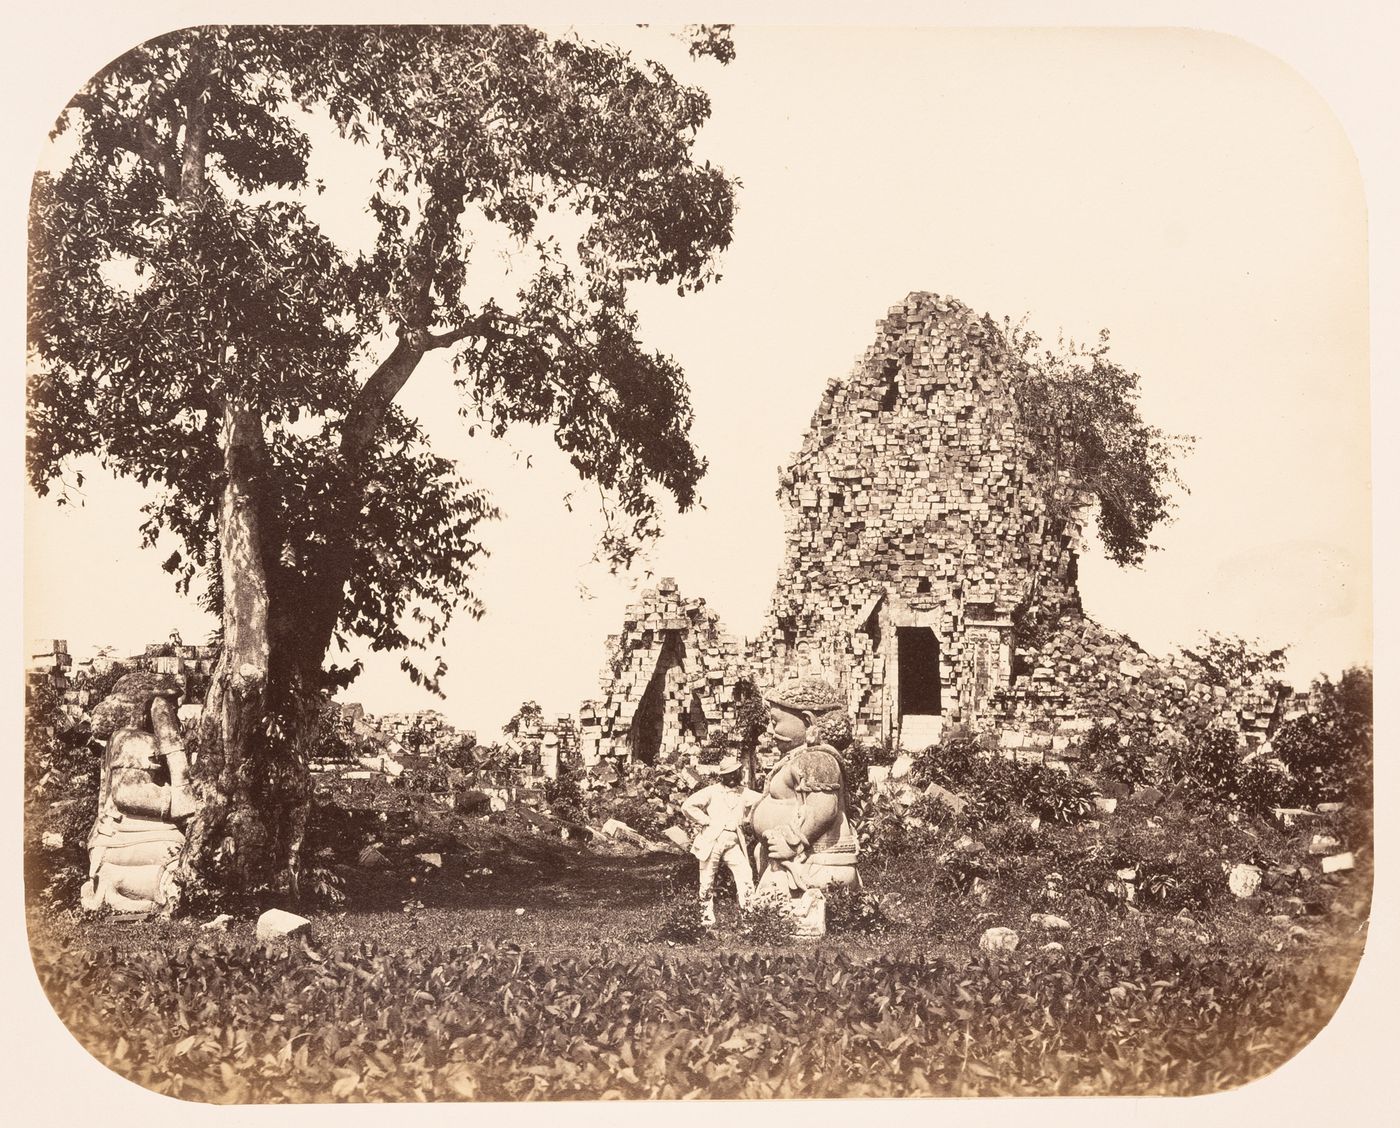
(1184, 190)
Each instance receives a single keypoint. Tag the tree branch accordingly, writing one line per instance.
(379, 391)
(483, 326)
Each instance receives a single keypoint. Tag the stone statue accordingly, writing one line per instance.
(142, 796)
(807, 842)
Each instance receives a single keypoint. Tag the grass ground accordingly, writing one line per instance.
(490, 958)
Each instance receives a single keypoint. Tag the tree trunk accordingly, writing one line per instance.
(250, 778)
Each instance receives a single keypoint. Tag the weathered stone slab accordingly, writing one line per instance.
(279, 922)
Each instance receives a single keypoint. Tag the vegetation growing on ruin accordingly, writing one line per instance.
(1084, 423)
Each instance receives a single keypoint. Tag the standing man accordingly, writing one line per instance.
(722, 809)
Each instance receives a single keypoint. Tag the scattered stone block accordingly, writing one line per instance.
(907, 796)
(1050, 922)
(434, 860)
(615, 828)
(1244, 880)
(997, 940)
(955, 803)
(52, 840)
(279, 922)
(1322, 844)
(1107, 806)
(1336, 863)
(678, 836)
(900, 768)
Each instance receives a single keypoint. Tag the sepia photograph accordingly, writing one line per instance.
(588, 560)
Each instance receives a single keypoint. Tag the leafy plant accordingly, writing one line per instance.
(1231, 660)
(1328, 750)
(1056, 796)
(766, 922)
(565, 797)
(1081, 408)
(1128, 754)
(853, 910)
(525, 719)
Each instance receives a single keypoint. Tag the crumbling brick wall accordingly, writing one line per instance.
(669, 681)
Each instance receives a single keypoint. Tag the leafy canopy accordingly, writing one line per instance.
(1082, 410)
(177, 266)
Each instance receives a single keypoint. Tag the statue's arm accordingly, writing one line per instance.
(819, 812)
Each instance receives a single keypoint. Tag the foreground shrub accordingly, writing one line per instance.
(231, 1021)
(1328, 750)
(564, 797)
(682, 918)
(996, 787)
(767, 921)
(1127, 755)
(858, 911)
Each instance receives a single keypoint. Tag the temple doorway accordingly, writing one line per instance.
(920, 719)
(919, 689)
(649, 723)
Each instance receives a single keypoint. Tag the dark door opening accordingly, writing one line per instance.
(649, 722)
(919, 689)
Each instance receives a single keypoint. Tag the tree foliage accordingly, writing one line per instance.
(178, 267)
(1230, 659)
(527, 718)
(1328, 749)
(1089, 435)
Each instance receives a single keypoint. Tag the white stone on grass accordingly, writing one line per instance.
(279, 922)
(1244, 880)
(1338, 862)
(999, 940)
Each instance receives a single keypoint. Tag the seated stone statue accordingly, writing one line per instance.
(142, 795)
(807, 842)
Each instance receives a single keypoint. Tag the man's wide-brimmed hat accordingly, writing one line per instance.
(728, 766)
(806, 695)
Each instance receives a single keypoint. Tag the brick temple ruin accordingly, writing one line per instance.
(671, 681)
(930, 570)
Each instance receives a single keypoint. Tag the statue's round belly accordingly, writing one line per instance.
(769, 813)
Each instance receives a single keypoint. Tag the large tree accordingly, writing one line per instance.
(194, 328)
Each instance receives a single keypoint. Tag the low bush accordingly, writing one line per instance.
(767, 921)
(224, 1020)
(1328, 750)
(564, 797)
(1129, 754)
(858, 911)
